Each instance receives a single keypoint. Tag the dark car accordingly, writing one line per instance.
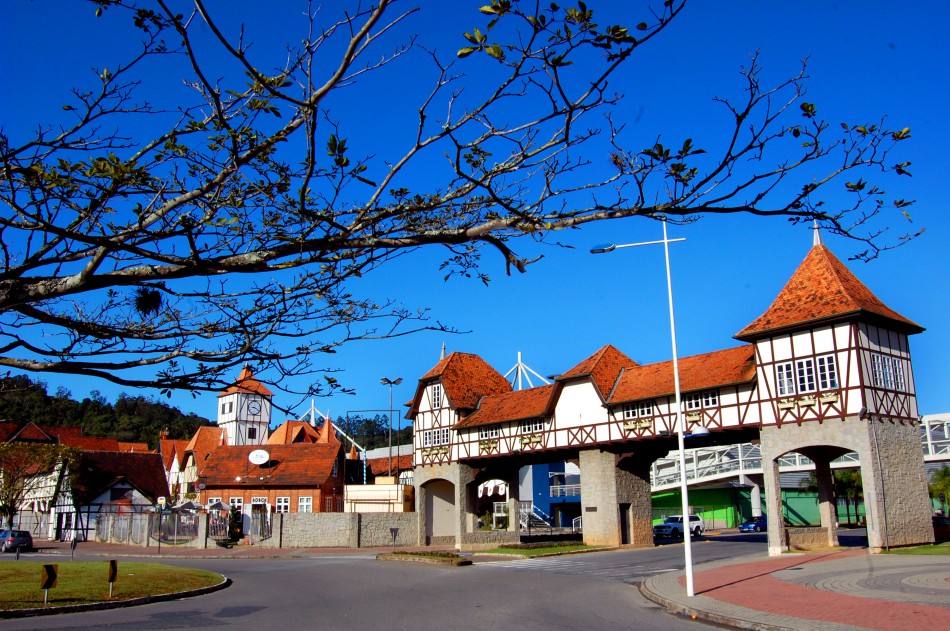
(756, 524)
(13, 539)
(941, 528)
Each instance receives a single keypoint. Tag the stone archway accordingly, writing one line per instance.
(892, 471)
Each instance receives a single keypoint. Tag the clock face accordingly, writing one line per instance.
(254, 407)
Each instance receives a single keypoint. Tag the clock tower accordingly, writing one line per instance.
(244, 410)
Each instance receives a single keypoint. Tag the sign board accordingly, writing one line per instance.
(258, 500)
(113, 571)
(258, 457)
(49, 576)
(161, 501)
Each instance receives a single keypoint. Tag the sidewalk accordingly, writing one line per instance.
(830, 591)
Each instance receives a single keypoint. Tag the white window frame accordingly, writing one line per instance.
(881, 370)
(532, 426)
(282, 504)
(784, 379)
(693, 401)
(897, 368)
(236, 502)
(488, 433)
(827, 372)
(805, 381)
(436, 437)
(711, 399)
(305, 504)
(436, 396)
(214, 500)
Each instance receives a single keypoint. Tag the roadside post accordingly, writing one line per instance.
(48, 580)
(113, 575)
(394, 532)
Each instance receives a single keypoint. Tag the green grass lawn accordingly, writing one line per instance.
(937, 548)
(80, 583)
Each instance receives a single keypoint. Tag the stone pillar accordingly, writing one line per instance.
(773, 504)
(606, 484)
(826, 498)
(755, 497)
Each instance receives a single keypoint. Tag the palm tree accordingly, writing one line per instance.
(847, 485)
(940, 483)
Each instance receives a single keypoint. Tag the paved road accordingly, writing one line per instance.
(591, 591)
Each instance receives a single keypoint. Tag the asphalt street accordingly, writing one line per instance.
(592, 591)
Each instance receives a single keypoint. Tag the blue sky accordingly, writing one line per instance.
(867, 59)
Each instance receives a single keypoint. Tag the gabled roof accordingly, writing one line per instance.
(32, 433)
(301, 464)
(247, 383)
(206, 440)
(97, 471)
(699, 372)
(603, 368)
(465, 379)
(823, 290)
(293, 432)
(511, 406)
(170, 449)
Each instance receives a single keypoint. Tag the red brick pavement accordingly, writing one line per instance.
(752, 585)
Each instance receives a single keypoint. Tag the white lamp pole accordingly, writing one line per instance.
(680, 428)
(390, 382)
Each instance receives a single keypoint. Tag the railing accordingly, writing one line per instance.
(577, 525)
(530, 516)
(565, 490)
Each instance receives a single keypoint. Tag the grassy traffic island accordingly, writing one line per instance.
(85, 585)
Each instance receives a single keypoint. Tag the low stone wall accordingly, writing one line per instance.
(485, 539)
(806, 538)
(341, 530)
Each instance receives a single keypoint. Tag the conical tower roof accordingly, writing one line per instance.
(822, 290)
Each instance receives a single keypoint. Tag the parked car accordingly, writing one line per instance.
(941, 528)
(672, 526)
(756, 524)
(13, 539)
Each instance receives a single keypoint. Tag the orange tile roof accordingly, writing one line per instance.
(699, 372)
(380, 466)
(511, 406)
(298, 464)
(603, 368)
(32, 432)
(246, 382)
(90, 443)
(170, 448)
(293, 432)
(206, 440)
(465, 378)
(822, 289)
(138, 448)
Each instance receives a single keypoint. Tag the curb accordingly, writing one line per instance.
(118, 604)
(409, 558)
(677, 608)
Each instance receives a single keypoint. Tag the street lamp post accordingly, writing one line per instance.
(390, 382)
(680, 429)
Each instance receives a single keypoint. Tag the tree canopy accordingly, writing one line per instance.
(159, 234)
(26, 466)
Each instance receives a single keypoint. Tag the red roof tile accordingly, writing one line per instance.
(293, 432)
(511, 406)
(98, 471)
(90, 443)
(380, 466)
(299, 464)
(32, 432)
(246, 382)
(699, 372)
(465, 378)
(135, 447)
(206, 440)
(169, 449)
(822, 289)
(603, 368)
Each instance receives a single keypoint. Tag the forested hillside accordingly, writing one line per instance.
(129, 419)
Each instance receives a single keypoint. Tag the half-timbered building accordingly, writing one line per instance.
(824, 370)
